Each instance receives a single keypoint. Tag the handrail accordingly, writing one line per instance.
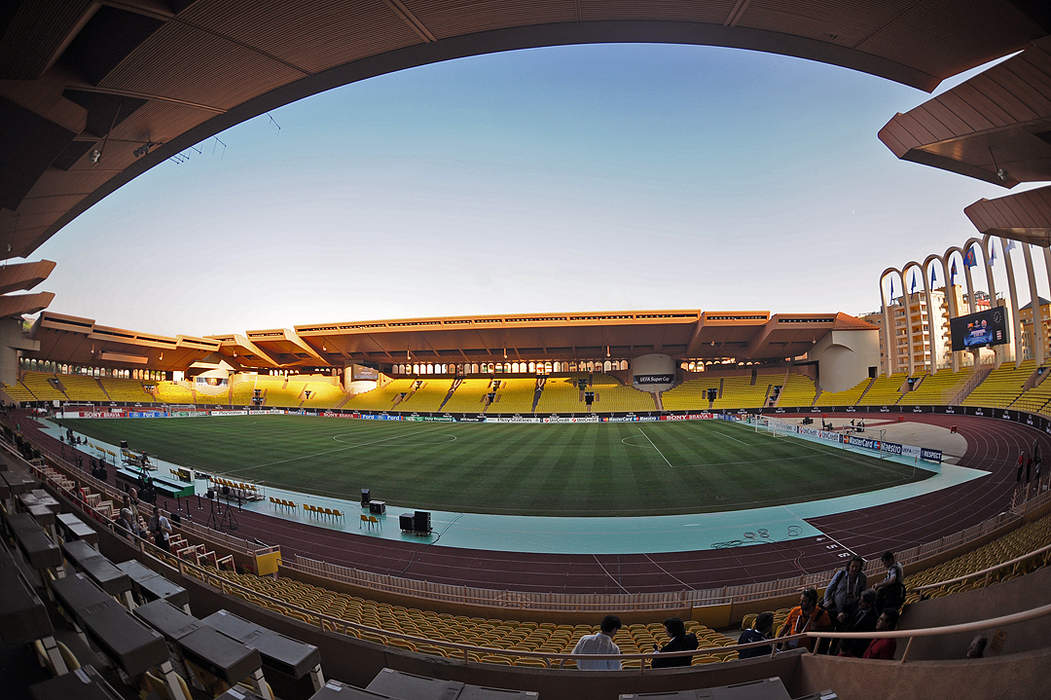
(148, 549)
(975, 626)
(237, 544)
(988, 570)
(468, 595)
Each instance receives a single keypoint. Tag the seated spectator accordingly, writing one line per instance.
(890, 592)
(883, 648)
(863, 620)
(808, 616)
(678, 640)
(600, 643)
(127, 522)
(760, 630)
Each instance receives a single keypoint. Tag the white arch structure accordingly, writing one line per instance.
(984, 247)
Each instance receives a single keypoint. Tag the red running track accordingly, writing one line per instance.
(992, 445)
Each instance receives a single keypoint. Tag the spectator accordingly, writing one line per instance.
(808, 616)
(844, 590)
(890, 592)
(863, 620)
(760, 630)
(161, 529)
(600, 643)
(883, 648)
(126, 522)
(678, 640)
(976, 650)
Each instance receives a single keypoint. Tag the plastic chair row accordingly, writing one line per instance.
(331, 512)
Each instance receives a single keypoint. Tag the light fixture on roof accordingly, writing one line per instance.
(144, 149)
(96, 156)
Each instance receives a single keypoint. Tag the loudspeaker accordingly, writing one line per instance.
(377, 507)
(211, 493)
(365, 497)
(405, 520)
(226, 490)
(123, 444)
(421, 521)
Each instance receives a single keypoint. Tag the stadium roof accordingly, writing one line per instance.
(140, 80)
(744, 335)
(995, 127)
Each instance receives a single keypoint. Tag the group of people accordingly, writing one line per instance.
(848, 605)
(159, 528)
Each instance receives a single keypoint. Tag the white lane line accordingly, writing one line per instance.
(611, 577)
(839, 543)
(656, 448)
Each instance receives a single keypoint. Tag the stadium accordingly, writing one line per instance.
(441, 506)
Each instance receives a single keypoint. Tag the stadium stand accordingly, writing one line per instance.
(744, 391)
(428, 395)
(847, 397)
(510, 634)
(797, 390)
(242, 387)
(174, 392)
(1002, 386)
(44, 386)
(206, 395)
(885, 391)
(469, 396)
(19, 392)
(1028, 538)
(1035, 399)
(128, 390)
(562, 395)
(79, 387)
(325, 392)
(938, 388)
(611, 395)
(279, 391)
(382, 398)
(691, 393)
(515, 395)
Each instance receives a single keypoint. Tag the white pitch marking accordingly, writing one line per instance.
(732, 438)
(656, 448)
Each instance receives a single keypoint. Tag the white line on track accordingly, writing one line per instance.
(656, 448)
(338, 449)
(839, 543)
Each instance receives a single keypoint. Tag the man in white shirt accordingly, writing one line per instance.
(601, 643)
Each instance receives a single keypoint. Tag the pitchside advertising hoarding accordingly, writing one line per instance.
(979, 330)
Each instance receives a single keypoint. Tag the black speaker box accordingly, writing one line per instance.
(365, 497)
(421, 521)
(405, 520)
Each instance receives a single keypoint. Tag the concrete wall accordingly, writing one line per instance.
(653, 364)
(11, 341)
(999, 678)
(992, 601)
(844, 358)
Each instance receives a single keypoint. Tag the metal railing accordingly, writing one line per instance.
(566, 602)
(329, 623)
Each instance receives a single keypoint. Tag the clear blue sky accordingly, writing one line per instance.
(562, 179)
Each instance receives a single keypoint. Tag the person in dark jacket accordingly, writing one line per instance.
(678, 640)
(761, 629)
(863, 620)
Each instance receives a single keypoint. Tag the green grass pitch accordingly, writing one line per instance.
(576, 469)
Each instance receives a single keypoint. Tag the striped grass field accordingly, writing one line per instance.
(577, 469)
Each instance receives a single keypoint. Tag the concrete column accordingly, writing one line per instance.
(1016, 322)
(1039, 337)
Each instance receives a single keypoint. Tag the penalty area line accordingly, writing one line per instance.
(672, 466)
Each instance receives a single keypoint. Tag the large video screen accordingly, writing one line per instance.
(979, 330)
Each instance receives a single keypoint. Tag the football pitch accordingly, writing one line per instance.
(603, 469)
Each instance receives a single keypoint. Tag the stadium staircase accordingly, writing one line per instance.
(449, 394)
(1035, 398)
(847, 397)
(1002, 386)
(540, 382)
